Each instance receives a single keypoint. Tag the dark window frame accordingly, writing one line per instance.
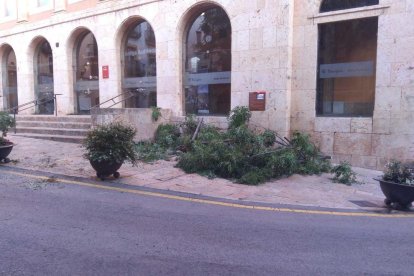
(319, 92)
(337, 5)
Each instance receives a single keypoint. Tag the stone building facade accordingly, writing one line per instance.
(353, 96)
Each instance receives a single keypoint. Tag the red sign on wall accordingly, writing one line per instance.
(105, 71)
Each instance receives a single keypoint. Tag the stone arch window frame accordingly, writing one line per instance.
(337, 16)
(186, 23)
(6, 50)
(122, 35)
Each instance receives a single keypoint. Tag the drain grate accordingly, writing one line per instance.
(363, 203)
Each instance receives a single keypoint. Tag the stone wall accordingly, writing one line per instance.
(140, 118)
(365, 142)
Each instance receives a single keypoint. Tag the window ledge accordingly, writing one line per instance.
(356, 13)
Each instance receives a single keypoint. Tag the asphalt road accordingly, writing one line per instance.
(49, 228)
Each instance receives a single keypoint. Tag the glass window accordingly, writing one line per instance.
(207, 79)
(346, 67)
(42, 3)
(7, 8)
(336, 5)
(10, 79)
(140, 67)
(87, 73)
(44, 78)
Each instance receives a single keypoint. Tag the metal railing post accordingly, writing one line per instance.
(55, 104)
(14, 118)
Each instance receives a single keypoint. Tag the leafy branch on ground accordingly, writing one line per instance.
(238, 153)
(344, 174)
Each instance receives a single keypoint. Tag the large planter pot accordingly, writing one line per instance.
(105, 168)
(5, 151)
(398, 196)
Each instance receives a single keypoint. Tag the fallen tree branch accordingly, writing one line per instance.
(197, 130)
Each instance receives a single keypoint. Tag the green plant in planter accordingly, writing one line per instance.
(397, 172)
(397, 184)
(112, 143)
(6, 122)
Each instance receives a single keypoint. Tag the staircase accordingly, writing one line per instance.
(70, 129)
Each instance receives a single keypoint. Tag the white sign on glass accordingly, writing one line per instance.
(87, 85)
(208, 78)
(346, 70)
(140, 82)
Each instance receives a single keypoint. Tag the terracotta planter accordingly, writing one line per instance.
(5, 151)
(104, 169)
(397, 195)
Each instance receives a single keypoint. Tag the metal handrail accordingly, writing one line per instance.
(115, 100)
(31, 104)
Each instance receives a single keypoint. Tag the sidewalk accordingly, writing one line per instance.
(318, 191)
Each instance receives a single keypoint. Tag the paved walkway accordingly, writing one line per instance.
(320, 191)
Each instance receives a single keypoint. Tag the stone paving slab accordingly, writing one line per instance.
(318, 191)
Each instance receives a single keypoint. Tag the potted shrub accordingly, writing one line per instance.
(397, 184)
(6, 122)
(108, 146)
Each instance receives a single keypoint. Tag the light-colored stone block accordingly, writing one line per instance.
(369, 162)
(325, 124)
(327, 143)
(352, 143)
(388, 98)
(361, 125)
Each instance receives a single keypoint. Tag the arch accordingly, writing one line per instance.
(43, 75)
(9, 76)
(207, 40)
(83, 48)
(137, 49)
(336, 5)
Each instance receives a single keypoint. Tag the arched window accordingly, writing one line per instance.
(87, 73)
(207, 80)
(140, 66)
(10, 79)
(44, 78)
(336, 5)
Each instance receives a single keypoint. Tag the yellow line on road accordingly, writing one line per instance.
(213, 202)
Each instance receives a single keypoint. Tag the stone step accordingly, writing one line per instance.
(57, 138)
(51, 118)
(53, 124)
(52, 131)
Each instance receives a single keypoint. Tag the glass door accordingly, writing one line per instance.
(87, 74)
(44, 79)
